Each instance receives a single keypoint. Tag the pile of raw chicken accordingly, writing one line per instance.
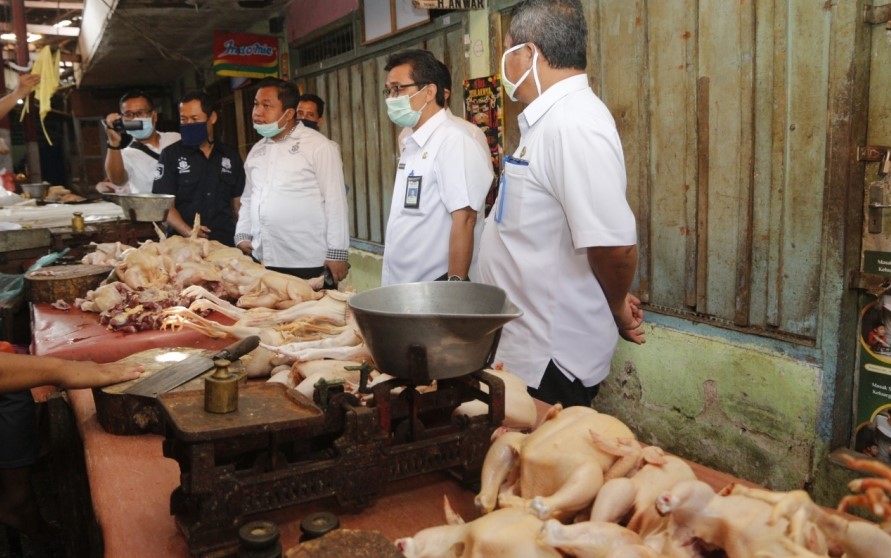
(580, 485)
(306, 334)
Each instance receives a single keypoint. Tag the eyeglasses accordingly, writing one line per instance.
(394, 91)
(131, 114)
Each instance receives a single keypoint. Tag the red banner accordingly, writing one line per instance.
(245, 55)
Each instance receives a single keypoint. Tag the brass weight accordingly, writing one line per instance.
(221, 389)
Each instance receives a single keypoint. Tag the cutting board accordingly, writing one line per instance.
(63, 282)
(125, 414)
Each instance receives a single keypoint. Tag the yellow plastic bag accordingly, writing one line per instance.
(47, 67)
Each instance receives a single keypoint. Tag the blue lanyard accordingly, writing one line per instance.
(502, 184)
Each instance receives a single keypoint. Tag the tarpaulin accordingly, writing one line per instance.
(245, 55)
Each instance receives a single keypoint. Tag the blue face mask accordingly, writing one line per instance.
(310, 123)
(147, 129)
(269, 130)
(193, 135)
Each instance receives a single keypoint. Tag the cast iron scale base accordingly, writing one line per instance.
(280, 449)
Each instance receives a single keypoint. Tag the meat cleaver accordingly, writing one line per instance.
(177, 374)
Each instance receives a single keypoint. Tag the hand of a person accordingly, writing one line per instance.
(630, 320)
(114, 138)
(246, 246)
(339, 269)
(85, 374)
(27, 83)
(203, 232)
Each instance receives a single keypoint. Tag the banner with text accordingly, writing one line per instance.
(482, 107)
(872, 427)
(245, 55)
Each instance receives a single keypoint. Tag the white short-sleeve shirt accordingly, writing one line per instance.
(563, 191)
(140, 166)
(442, 169)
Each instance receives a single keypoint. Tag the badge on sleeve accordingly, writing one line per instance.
(159, 171)
(412, 192)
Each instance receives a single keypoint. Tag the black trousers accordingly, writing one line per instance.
(301, 272)
(557, 388)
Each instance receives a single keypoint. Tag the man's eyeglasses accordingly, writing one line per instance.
(131, 114)
(394, 91)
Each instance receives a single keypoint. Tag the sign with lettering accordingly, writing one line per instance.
(245, 55)
(482, 107)
(872, 426)
(449, 4)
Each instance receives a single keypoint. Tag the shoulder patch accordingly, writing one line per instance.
(159, 171)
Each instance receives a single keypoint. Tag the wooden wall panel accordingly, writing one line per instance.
(373, 82)
(358, 96)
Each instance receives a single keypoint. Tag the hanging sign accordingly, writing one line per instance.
(449, 4)
(482, 107)
(245, 55)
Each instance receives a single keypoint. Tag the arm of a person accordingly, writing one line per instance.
(461, 242)
(243, 235)
(18, 372)
(464, 173)
(26, 84)
(114, 160)
(614, 267)
(329, 172)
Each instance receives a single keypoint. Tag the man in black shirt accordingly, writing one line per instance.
(207, 178)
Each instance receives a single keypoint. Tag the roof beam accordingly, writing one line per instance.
(45, 30)
(49, 5)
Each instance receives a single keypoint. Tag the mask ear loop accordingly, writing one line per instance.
(535, 68)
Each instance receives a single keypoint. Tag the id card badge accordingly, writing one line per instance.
(412, 192)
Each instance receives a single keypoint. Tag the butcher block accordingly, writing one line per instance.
(127, 414)
(63, 282)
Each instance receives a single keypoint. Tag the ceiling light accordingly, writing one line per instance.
(63, 23)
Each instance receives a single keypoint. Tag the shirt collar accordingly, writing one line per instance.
(537, 108)
(422, 134)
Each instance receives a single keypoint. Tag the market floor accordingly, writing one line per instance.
(13, 545)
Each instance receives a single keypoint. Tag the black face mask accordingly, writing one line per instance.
(310, 123)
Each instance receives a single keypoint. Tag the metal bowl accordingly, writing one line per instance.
(143, 207)
(36, 190)
(435, 330)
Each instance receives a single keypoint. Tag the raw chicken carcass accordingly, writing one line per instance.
(557, 470)
(587, 539)
(519, 407)
(507, 532)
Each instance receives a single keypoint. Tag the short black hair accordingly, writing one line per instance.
(287, 91)
(136, 94)
(425, 69)
(208, 105)
(557, 27)
(312, 98)
(446, 76)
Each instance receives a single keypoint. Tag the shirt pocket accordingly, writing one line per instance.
(512, 187)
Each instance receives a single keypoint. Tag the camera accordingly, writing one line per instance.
(120, 125)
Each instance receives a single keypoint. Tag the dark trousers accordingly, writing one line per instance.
(301, 272)
(557, 388)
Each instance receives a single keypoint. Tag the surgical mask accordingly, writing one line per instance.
(511, 88)
(310, 123)
(400, 112)
(147, 130)
(269, 130)
(193, 135)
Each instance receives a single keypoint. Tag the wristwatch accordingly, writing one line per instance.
(454, 278)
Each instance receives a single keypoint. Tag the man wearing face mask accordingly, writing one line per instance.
(441, 180)
(311, 110)
(294, 216)
(131, 157)
(561, 239)
(207, 177)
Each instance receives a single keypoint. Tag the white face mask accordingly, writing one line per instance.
(511, 88)
(400, 112)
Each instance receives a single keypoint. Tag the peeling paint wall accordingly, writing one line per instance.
(734, 407)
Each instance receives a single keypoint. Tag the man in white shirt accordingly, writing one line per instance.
(561, 239)
(132, 157)
(293, 215)
(441, 180)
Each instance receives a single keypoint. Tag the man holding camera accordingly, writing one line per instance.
(134, 145)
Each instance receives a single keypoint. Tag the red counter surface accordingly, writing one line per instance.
(131, 481)
(79, 336)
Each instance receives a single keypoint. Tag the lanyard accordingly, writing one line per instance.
(502, 184)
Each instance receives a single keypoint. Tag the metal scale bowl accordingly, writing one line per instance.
(435, 330)
(280, 449)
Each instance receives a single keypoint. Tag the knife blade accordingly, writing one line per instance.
(177, 374)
